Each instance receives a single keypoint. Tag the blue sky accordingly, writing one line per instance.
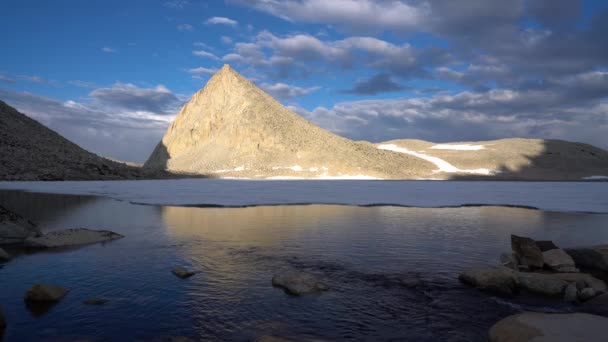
(112, 75)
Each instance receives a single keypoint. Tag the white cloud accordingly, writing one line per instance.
(108, 49)
(177, 4)
(202, 71)
(285, 92)
(204, 54)
(226, 40)
(221, 21)
(185, 27)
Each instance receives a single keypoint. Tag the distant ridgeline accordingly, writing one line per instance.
(233, 129)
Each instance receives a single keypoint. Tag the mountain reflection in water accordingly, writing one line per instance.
(392, 270)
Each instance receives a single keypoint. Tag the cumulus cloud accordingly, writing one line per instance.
(380, 83)
(221, 21)
(129, 97)
(204, 54)
(202, 71)
(285, 91)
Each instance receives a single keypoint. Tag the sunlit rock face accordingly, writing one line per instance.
(231, 128)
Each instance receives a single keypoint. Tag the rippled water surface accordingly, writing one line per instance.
(392, 270)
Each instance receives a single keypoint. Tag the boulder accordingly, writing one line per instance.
(3, 255)
(183, 272)
(586, 294)
(14, 229)
(558, 260)
(298, 283)
(45, 293)
(546, 245)
(571, 293)
(542, 327)
(509, 260)
(554, 284)
(597, 305)
(527, 251)
(95, 301)
(592, 258)
(71, 237)
(490, 278)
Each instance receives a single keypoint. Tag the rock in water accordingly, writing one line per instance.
(597, 305)
(558, 260)
(272, 339)
(14, 229)
(571, 293)
(298, 283)
(493, 279)
(592, 258)
(2, 322)
(71, 237)
(45, 293)
(554, 284)
(96, 301)
(540, 327)
(183, 272)
(509, 260)
(527, 251)
(546, 245)
(586, 294)
(233, 128)
(3, 255)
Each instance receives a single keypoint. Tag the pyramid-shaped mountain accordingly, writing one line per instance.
(231, 128)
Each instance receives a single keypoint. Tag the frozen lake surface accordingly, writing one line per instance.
(591, 197)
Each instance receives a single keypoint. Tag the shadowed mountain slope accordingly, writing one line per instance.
(31, 151)
(231, 128)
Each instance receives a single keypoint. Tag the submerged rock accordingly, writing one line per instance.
(45, 293)
(298, 283)
(490, 278)
(592, 258)
(183, 272)
(14, 229)
(71, 237)
(96, 301)
(542, 327)
(558, 260)
(527, 252)
(3, 255)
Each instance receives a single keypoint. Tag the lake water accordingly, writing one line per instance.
(392, 270)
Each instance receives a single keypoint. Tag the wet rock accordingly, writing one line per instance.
(546, 245)
(597, 305)
(45, 293)
(527, 251)
(71, 237)
(550, 327)
(490, 278)
(182, 272)
(592, 258)
(14, 229)
(554, 284)
(180, 339)
(571, 293)
(558, 260)
(2, 322)
(509, 260)
(298, 283)
(3, 255)
(586, 294)
(272, 339)
(96, 301)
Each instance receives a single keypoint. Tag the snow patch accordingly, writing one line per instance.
(442, 165)
(461, 147)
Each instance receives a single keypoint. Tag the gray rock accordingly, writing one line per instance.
(71, 237)
(509, 260)
(182, 272)
(592, 258)
(541, 327)
(597, 305)
(96, 301)
(571, 293)
(527, 251)
(45, 293)
(490, 278)
(558, 260)
(14, 228)
(3, 255)
(298, 283)
(554, 284)
(546, 245)
(586, 294)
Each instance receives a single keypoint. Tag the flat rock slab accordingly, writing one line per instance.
(298, 283)
(71, 237)
(45, 293)
(541, 327)
(182, 272)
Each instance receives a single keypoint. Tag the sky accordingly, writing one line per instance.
(111, 75)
